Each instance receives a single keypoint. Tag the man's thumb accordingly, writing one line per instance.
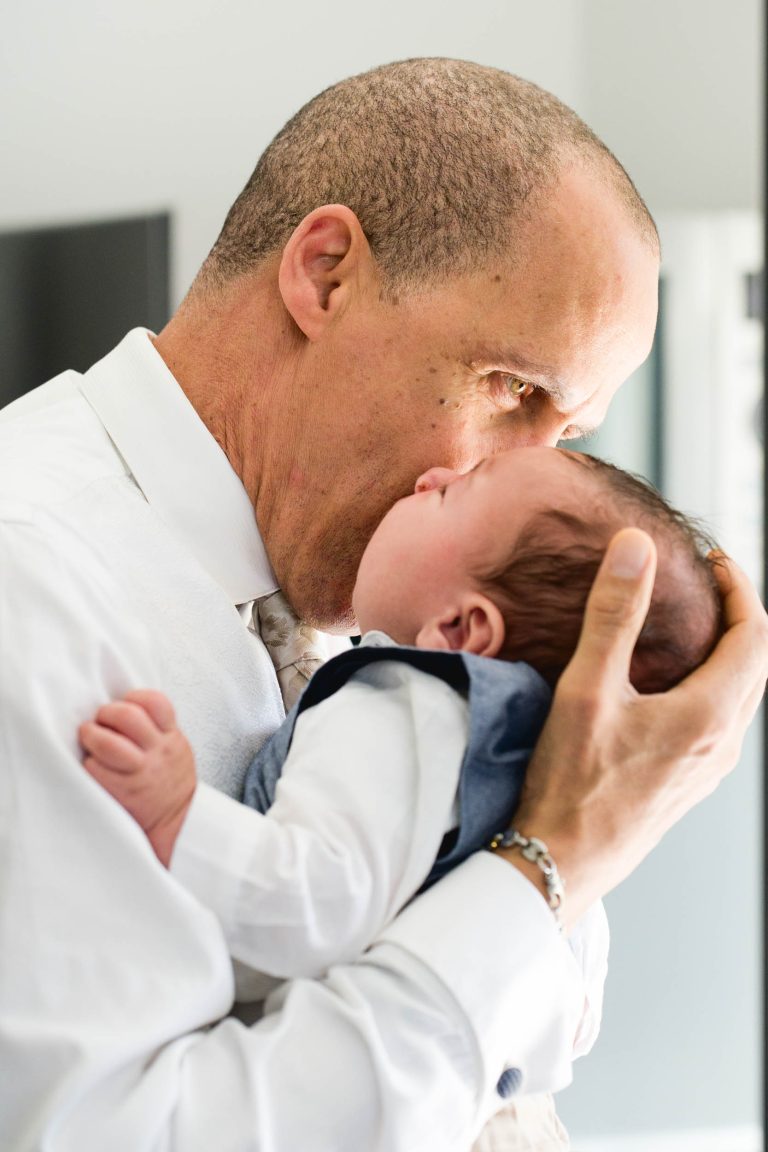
(617, 606)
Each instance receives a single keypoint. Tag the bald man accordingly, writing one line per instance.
(432, 262)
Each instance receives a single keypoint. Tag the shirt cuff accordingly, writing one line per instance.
(487, 933)
(212, 852)
(589, 942)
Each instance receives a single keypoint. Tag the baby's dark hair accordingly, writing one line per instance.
(543, 584)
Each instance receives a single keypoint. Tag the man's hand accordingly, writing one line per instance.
(137, 753)
(614, 770)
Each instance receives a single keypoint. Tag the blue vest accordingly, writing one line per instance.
(508, 704)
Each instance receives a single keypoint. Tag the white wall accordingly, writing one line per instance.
(132, 106)
(674, 87)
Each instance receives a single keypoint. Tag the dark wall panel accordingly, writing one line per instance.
(69, 294)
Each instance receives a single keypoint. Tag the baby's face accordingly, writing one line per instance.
(422, 556)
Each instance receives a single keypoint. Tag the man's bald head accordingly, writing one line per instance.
(437, 158)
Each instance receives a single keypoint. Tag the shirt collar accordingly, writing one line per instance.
(178, 465)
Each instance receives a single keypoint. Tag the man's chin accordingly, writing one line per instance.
(332, 614)
(318, 582)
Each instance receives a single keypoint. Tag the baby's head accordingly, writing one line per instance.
(500, 561)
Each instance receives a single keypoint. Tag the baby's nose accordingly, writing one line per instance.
(435, 478)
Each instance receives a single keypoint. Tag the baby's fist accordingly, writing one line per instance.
(136, 752)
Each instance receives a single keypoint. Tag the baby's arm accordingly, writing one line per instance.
(360, 811)
(357, 823)
(137, 753)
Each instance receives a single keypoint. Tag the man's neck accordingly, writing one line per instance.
(237, 356)
(230, 353)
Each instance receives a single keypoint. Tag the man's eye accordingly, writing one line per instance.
(515, 386)
(510, 390)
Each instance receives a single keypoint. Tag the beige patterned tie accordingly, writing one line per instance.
(296, 649)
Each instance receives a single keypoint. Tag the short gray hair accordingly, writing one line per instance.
(436, 157)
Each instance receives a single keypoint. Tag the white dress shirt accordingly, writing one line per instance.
(125, 543)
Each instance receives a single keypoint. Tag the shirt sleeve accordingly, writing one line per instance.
(361, 808)
(402, 1050)
(589, 941)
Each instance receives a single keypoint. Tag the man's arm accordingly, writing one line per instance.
(113, 978)
(402, 1071)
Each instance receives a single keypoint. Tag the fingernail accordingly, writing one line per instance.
(629, 555)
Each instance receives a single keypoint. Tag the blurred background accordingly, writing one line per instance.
(135, 123)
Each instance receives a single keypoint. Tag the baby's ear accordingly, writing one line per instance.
(476, 625)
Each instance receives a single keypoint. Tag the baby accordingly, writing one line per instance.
(406, 754)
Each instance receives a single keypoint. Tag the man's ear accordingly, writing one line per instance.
(476, 625)
(323, 264)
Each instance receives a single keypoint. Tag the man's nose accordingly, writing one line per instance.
(435, 478)
(543, 432)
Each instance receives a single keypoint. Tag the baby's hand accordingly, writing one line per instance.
(137, 753)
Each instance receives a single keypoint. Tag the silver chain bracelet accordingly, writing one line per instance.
(537, 853)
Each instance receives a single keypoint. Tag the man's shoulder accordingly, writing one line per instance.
(52, 446)
(42, 398)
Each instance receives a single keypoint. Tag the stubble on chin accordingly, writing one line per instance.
(322, 577)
